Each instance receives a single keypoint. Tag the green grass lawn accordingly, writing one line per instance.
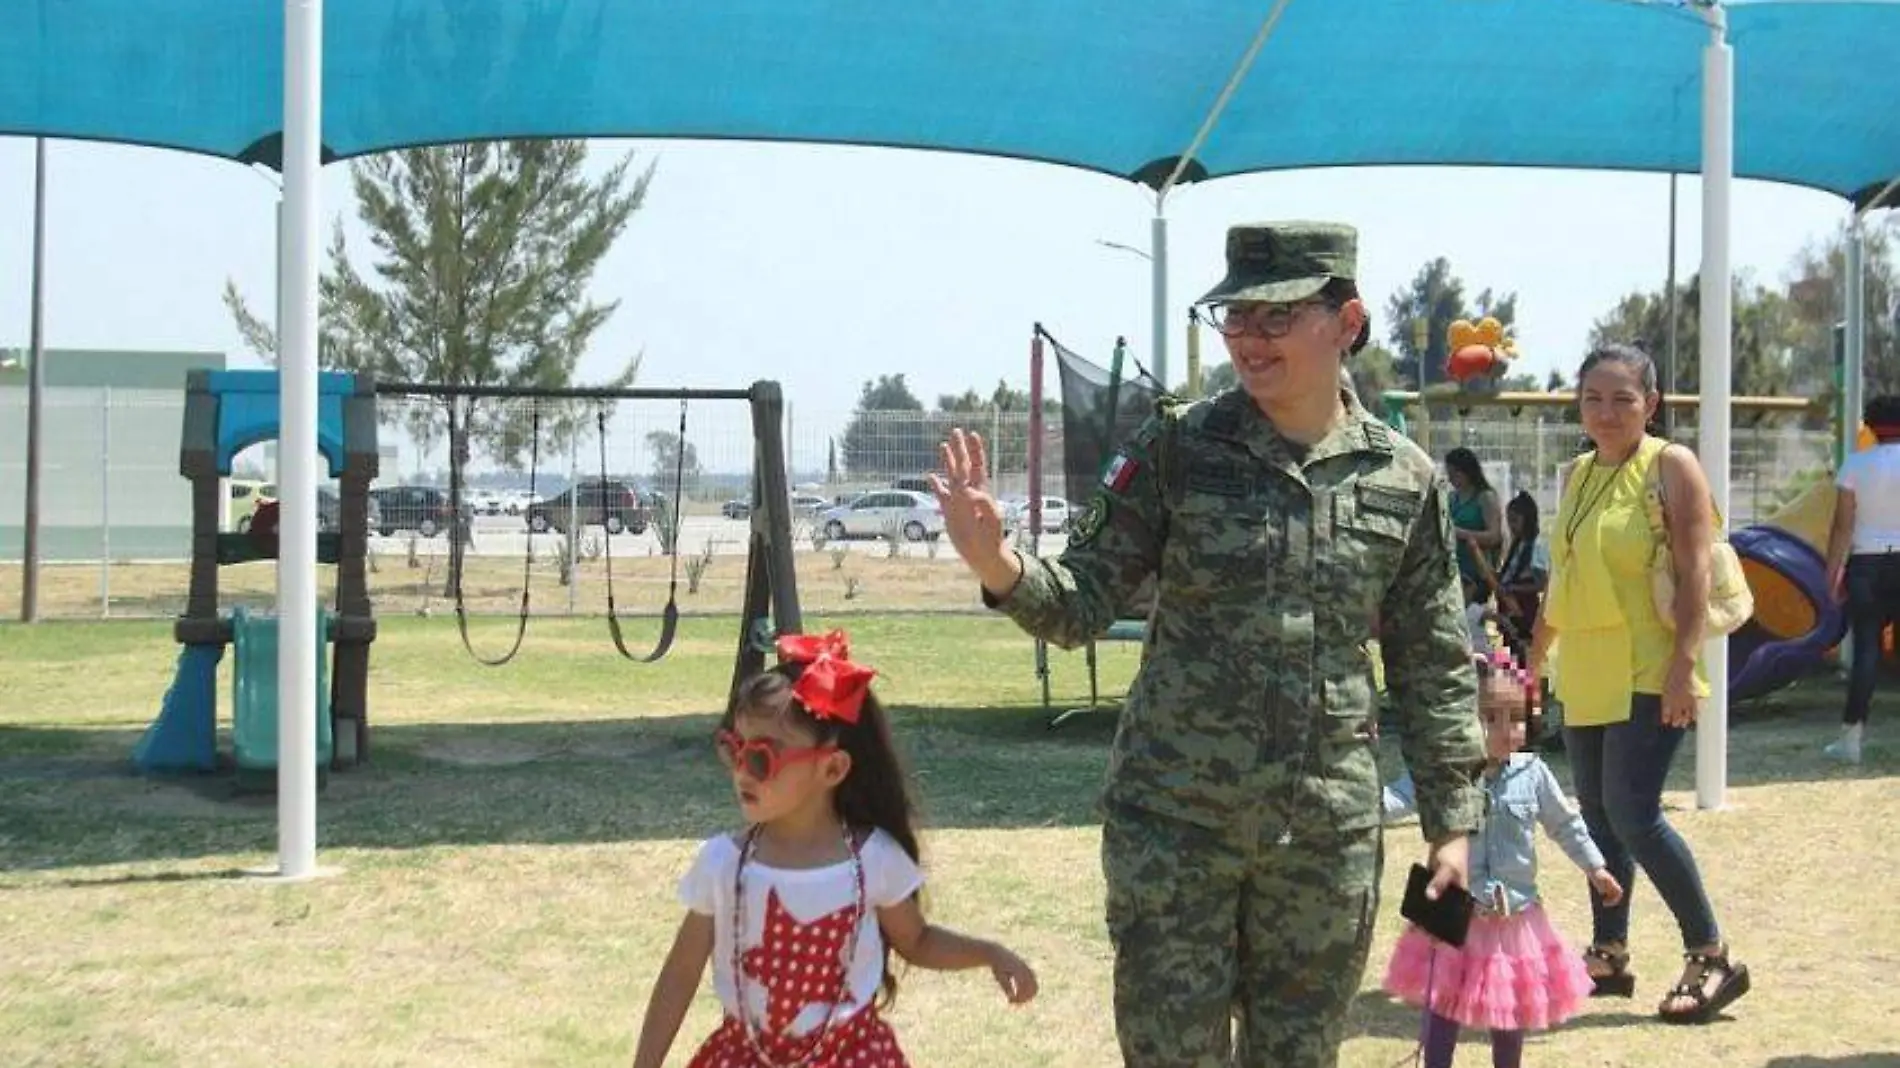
(508, 862)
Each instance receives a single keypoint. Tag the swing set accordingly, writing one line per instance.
(771, 589)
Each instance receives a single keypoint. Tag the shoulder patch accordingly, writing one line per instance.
(1087, 526)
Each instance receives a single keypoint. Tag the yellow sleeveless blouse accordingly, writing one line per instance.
(1613, 643)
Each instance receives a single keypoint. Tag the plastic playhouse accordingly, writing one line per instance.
(225, 413)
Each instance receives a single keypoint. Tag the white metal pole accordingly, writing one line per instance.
(1853, 356)
(1854, 311)
(297, 454)
(1671, 357)
(35, 398)
(1158, 260)
(1718, 171)
(105, 504)
(1159, 257)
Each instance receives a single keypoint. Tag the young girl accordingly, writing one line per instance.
(1514, 973)
(798, 912)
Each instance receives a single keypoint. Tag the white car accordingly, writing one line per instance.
(808, 505)
(907, 512)
(1056, 514)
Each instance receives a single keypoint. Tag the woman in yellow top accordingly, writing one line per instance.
(1630, 679)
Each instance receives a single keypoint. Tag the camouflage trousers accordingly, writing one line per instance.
(1232, 949)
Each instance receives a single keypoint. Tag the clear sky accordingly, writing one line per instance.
(822, 267)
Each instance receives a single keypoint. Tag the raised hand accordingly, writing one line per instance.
(971, 517)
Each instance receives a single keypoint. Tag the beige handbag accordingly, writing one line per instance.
(1731, 602)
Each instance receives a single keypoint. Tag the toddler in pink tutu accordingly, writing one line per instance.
(1514, 973)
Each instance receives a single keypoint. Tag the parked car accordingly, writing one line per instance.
(330, 511)
(912, 483)
(912, 514)
(609, 504)
(1057, 514)
(423, 509)
(244, 495)
(804, 506)
(329, 507)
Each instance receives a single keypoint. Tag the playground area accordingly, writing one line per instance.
(463, 843)
(517, 835)
(509, 861)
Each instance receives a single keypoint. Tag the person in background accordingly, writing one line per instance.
(1478, 518)
(1863, 563)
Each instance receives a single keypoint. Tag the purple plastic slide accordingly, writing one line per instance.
(1761, 662)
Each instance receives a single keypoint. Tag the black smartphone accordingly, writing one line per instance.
(1447, 919)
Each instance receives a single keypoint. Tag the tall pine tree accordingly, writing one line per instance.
(482, 255)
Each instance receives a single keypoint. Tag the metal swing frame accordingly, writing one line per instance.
(771, 604)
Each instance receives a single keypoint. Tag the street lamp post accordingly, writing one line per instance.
(1161, 326)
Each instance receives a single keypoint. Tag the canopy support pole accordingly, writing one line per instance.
(1670, 355)
(1158, 266)
(1713, 426)
(1158, 258)
(1854, 347)
(297, 453)
(35, 399)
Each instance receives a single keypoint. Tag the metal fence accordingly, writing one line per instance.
(116, 517)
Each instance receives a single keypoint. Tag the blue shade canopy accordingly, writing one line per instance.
(1116, 86)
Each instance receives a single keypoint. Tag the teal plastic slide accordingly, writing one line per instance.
(254, 698)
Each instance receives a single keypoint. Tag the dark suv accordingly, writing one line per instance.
(423, 509)
(591, 502)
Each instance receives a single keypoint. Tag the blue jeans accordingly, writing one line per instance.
(1873, 600)
(1619, 771)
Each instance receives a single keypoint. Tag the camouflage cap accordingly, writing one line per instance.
(1284, 262)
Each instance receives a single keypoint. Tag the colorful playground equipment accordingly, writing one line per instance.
(225, 413)
(1797, 621)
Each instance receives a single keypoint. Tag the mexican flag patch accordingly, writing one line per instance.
(1120, 474)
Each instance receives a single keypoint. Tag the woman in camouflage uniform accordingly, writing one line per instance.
(1285, 528)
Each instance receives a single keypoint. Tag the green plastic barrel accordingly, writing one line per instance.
(254, 698)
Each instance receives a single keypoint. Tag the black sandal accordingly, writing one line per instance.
(1619, 982)
(1734, 984)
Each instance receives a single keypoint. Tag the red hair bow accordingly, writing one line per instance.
(832, 687)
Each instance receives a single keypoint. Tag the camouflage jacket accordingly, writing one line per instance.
(1255, 703)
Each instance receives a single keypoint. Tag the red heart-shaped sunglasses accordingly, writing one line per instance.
(763, 758)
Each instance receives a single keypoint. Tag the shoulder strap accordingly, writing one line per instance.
(1655, 502)
(1167, 458)
(1659, 515)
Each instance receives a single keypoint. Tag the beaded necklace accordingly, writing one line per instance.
(738, 955)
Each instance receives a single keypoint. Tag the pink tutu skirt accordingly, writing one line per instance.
(1514, 973)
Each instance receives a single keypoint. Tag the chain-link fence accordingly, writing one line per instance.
(116, 517)
(1772, 458)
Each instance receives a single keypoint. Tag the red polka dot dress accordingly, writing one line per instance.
(806, 963)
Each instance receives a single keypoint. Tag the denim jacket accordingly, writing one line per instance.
(1518, 793)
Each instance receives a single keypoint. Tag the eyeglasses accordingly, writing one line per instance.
(762, 758)
(1266, 320)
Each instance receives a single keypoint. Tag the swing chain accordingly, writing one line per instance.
(458, 457)
(669, 618)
